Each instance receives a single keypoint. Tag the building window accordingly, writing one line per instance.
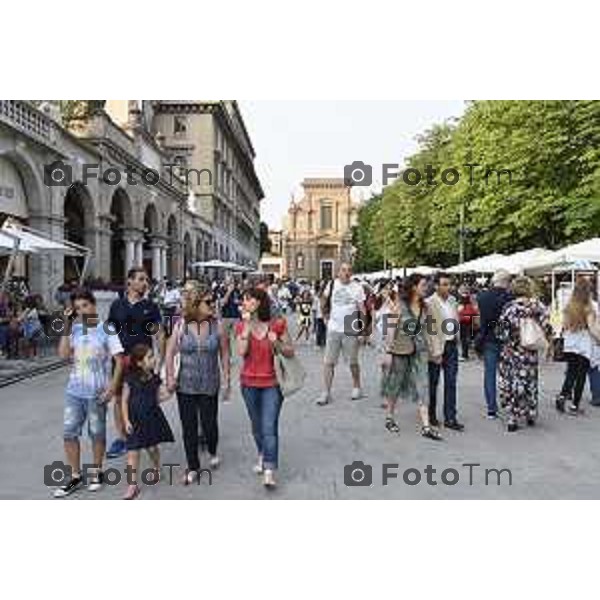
(300, 262)
(179, 125)
(326, 217)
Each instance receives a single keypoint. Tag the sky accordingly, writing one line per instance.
(298, 139)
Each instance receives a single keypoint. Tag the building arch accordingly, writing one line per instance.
(78, 215)
(121, 219)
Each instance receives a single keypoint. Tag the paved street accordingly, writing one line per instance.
(558, 459)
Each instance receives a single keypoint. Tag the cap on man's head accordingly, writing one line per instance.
(501, 278)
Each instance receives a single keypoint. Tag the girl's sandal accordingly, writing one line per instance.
(133, 491)
(431, 433)
(391, 425)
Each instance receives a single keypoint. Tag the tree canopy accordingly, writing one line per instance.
(528, 176)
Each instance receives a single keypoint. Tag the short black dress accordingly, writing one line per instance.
(150, 426)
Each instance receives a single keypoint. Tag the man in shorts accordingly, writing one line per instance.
(343, 305)
(138, 321)
(89, 389)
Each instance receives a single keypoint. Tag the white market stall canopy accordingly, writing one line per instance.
(18, 239)
(513, 263)
(485, 264)
(219, 264)
(8, 242)
(567, 257)
(29, 241)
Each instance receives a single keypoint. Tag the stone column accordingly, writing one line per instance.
(163, 261)
(139, 252)
(156, 261)
(97, 239)
(129, 253)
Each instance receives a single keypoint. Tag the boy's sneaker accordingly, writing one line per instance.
(117, 448)
(96, 482)
(69, 488)
(357, 394)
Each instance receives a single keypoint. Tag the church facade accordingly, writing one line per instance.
(317, 232)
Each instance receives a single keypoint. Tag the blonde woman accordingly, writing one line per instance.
(204, 351)
(580, 332)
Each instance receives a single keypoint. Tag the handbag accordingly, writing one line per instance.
(403, 344)
(532, 335)
(289, 371)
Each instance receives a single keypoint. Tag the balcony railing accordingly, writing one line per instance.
(22, 116)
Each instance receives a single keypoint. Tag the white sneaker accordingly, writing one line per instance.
(324, 399)
(258, 467)
(96, 482)
(357, 394)
(215, 461)
(269, 479)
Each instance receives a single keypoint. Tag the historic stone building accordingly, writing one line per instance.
(127, 219)
(317, 233)
(210, 140)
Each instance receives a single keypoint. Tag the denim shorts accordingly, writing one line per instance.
(77, 410)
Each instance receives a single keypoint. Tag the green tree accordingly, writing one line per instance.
(529, 176)
(369, 255)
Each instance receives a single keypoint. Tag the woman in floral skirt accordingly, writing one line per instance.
(519, 366)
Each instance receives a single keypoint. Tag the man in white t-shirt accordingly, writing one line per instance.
(343, 303)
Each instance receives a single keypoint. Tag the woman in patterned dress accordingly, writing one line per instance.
(519, 366)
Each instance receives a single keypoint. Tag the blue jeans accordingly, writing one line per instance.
(450, 368)
(491, 357)
(263, 406)
(3, 337)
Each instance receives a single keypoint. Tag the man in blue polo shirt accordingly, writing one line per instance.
(138, 320)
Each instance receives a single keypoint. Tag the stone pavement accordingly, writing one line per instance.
(557, 459)
(15, 370)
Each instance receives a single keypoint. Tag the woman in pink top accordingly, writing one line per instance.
(258, 336)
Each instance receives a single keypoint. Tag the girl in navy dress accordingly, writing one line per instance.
(145, 422)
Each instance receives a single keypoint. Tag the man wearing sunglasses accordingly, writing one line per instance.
(138, 320)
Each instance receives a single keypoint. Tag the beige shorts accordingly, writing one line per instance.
(340, 342)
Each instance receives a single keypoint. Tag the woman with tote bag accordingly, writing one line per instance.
(259, 338)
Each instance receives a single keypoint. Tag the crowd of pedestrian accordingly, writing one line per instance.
(188, 339)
